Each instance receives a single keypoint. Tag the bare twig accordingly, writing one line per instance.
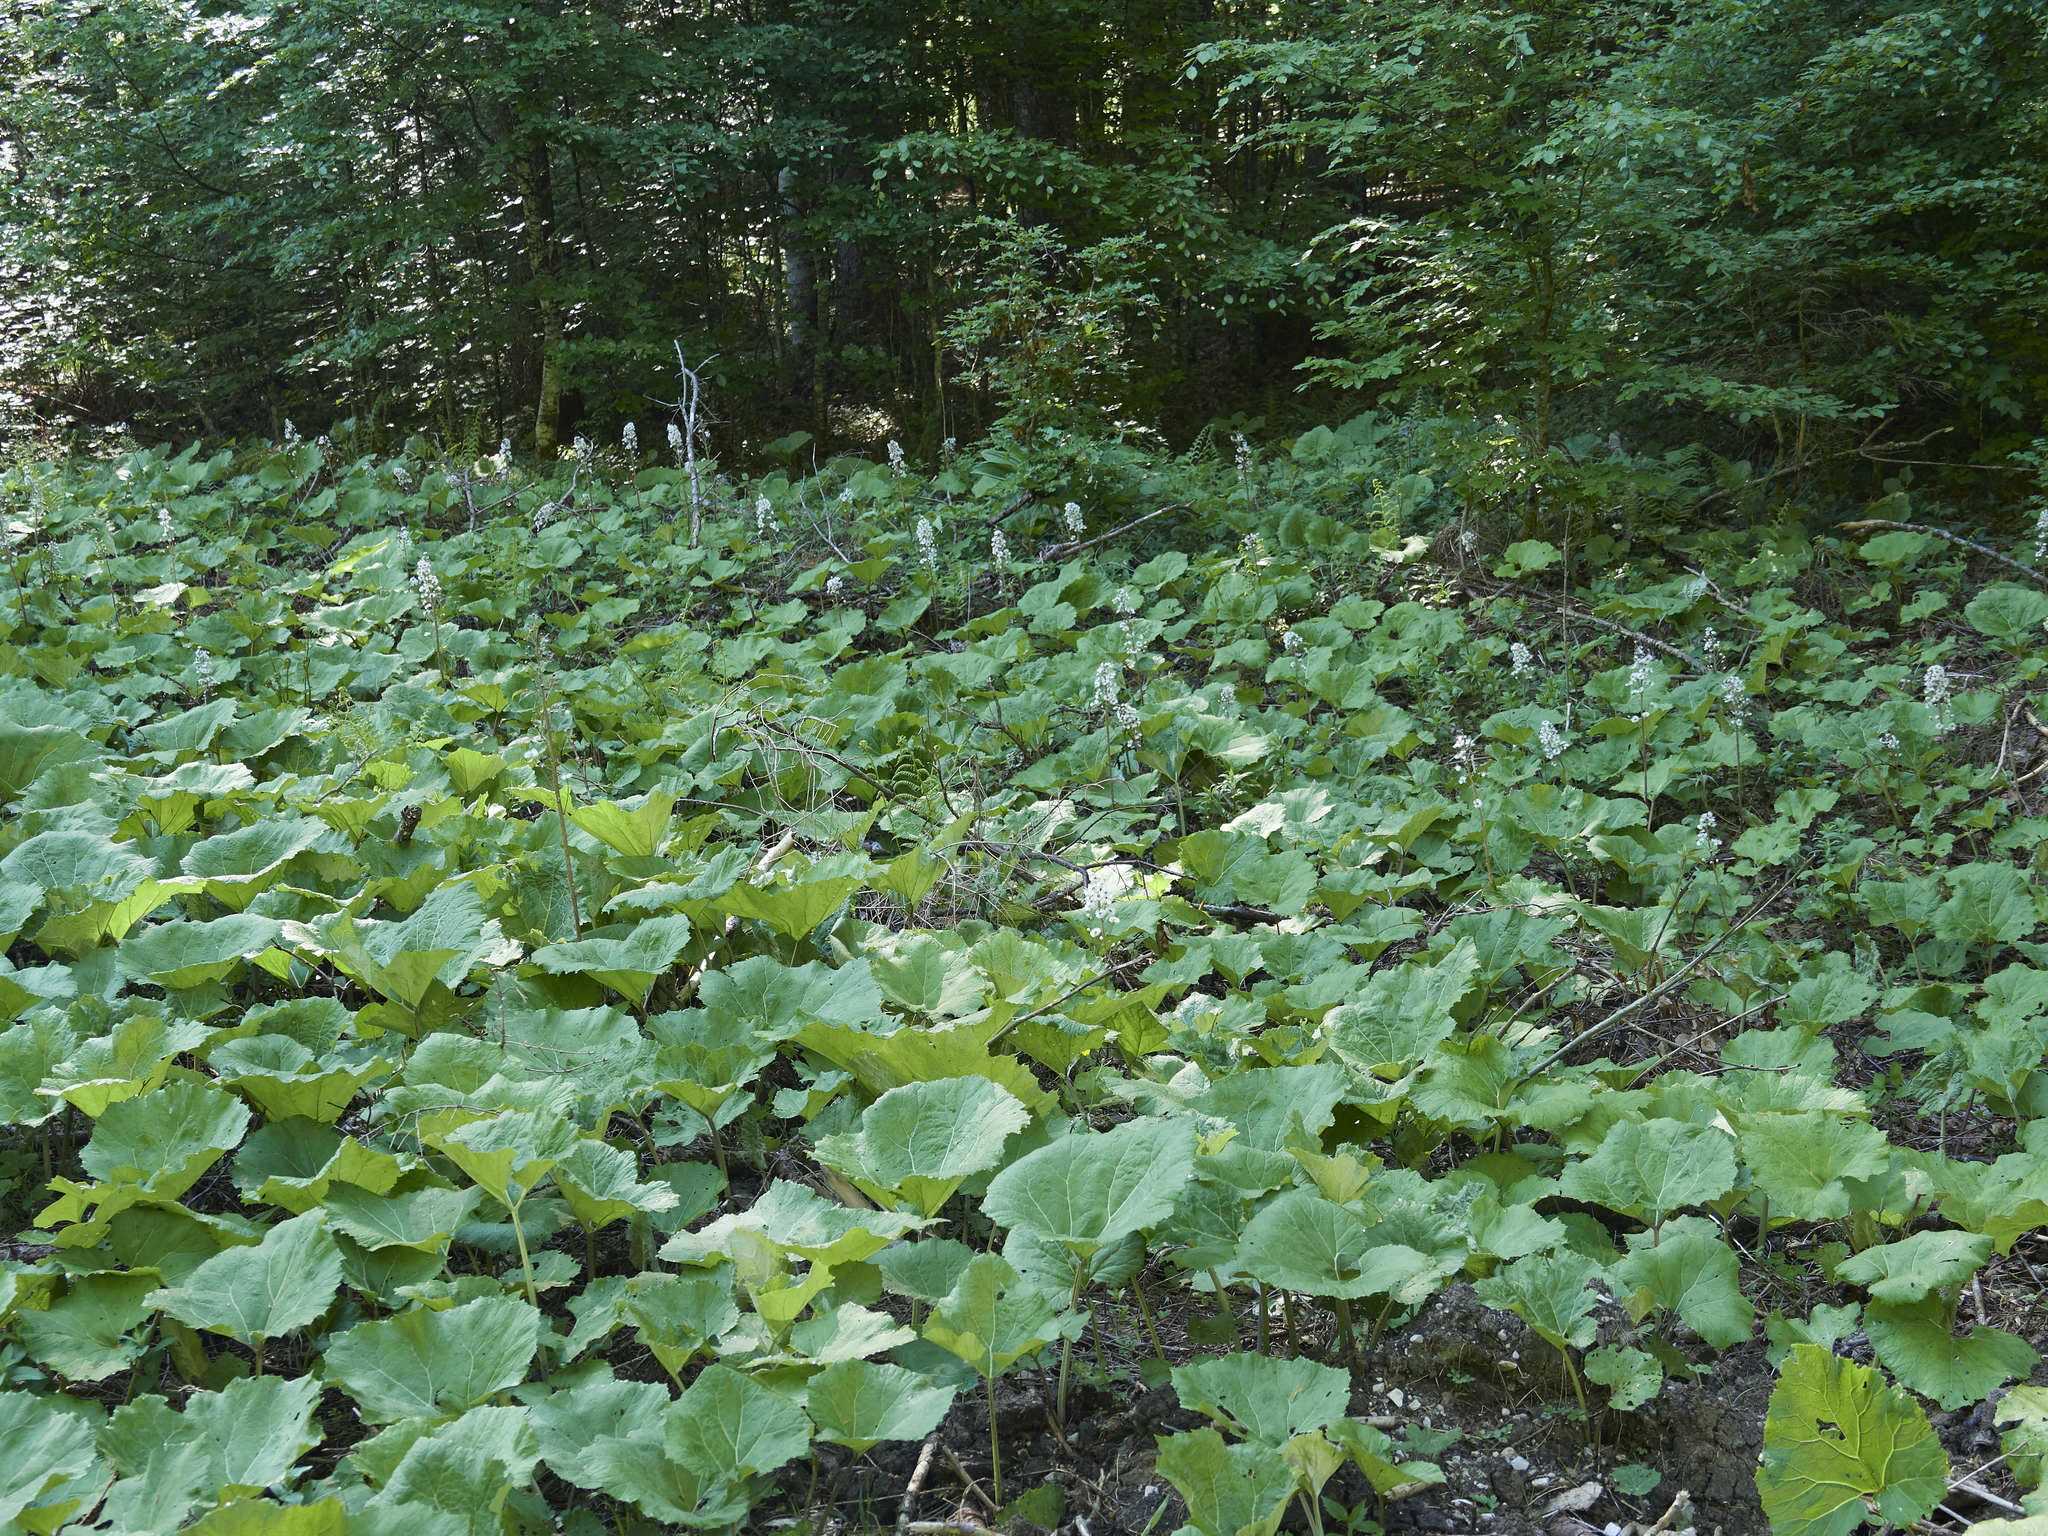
(1069, 994)
(1569, 609)
(1628, 1009)
(1666, 1520)
(966, 1481)
(1070, 547)
(1861, 523)
(908, 1507)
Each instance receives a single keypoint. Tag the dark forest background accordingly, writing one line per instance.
(1800, 244)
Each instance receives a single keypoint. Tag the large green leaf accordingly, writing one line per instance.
(1651, 1168)
(928, 976)
(238, 1441)
(571, 1419)
(2009, 613)
(859, 1404)
(1692, 1272)
(1551, 1294)
(1230, 1490)
(284, 1079)
(795, 1219)
(791, 910)
(277, 1287)
(1800, 1161)
(919, 1141)
(1916, 1265)
(1262, 1397)
(234, 868)
(165, 1140)
(679, 1316)
(425, 1219)
(602, 1185)
(1089, 1189)
(424, 1362)
(506, 1155)
(185, 954)
(1917, 1341)
(1841, 1447)
(1302, 1242)
(992, 1317)
(44, 1442)
(86, 1334)
(629, 965)
(643, 1474)
(638, 832)
(730, 1426)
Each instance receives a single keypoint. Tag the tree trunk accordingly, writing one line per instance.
(799, 285)
(537, 211)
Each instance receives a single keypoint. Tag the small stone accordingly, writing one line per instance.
(1519, 1463)
(1397, 1397)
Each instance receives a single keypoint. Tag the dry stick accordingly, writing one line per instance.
(1665, 1520)
(357, 767)
(775, 855)
(908, 1507)
(1627, 1009)
(1068, 547)
(967, 1478)
(1025, 1018)
(1942, 533)
(1567, 608)
(1979, 1491)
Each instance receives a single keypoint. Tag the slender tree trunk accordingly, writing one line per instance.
(799, 286)
(537, 211)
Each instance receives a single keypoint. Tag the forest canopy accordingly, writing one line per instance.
(1807, 238)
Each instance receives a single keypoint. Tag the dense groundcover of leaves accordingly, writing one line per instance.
(519, 1022)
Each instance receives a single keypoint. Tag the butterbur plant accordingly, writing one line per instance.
(1076, 523)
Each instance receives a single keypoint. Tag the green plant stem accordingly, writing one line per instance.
(1145, 1312)
(718, 1155)
(1067, 1345)
(1578, 1391)
(995, 1449)
(525, 1263)
(1222, 1301)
